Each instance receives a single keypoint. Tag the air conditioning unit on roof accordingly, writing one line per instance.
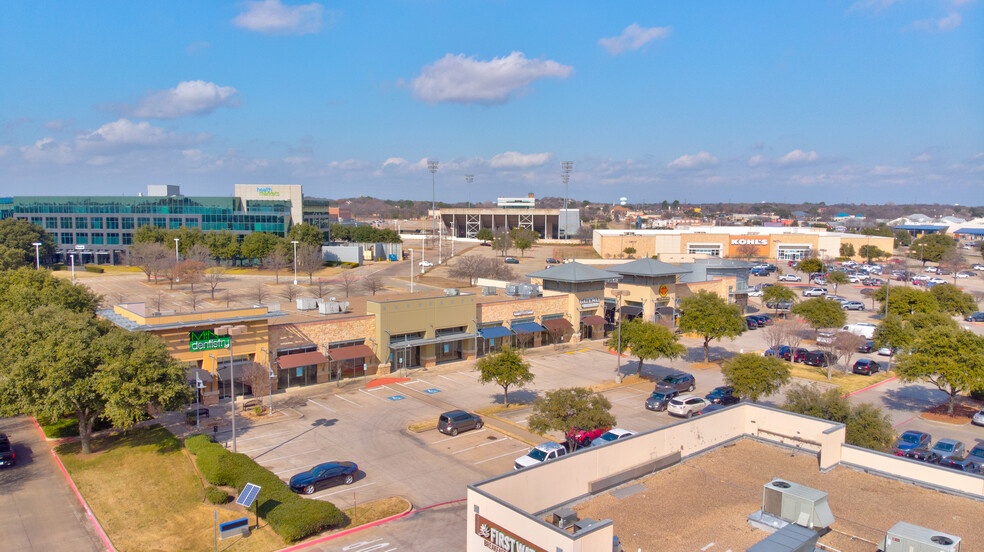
(906, 537)
(796, 504)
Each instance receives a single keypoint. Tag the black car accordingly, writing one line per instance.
(866, 347)
(960, 463)
(723, 395)
(764, 319)
(510, 260)
(324, 475)
(820, 359)
(551, 260)
(7, 456)
(866, 367)
(751, 322)
(458, 420)
(679, 381)
(658, 400)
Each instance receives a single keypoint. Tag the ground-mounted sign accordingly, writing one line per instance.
(206, 340)
(498, 539)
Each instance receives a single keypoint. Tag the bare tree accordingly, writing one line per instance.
(289, 292)
(190, 272)
(276, 261)
(585, 235)
(200, 252)
(746, 251)
(194, 299)
(372, 282)
(846, 344)
(256, 376)
(260, 294)
(309, 260)
(473, 267)
(795, 330)
(775, 335)
(213, 276)
(148, 257)
(157, 301)
(323, 288)
(346, 281)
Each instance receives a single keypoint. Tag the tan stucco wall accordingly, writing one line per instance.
(323, 333)
(422, 314)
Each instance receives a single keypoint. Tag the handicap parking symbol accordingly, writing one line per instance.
(431, 391)
(396, 397)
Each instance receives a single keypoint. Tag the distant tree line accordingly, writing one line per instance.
(363, 234)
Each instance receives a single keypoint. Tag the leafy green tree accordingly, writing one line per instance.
(903, 238)
(905, 301)
(778, 295)
(629, 251)
(222, 245)
(931, 247)
(847, 250)
(872, 252)
(505, 369)
(485, 235)
(821, 313)
(188, 238)
(953, 300)
(307, 234)
(648, 341)
(951, 359)
(26, 289)
(755, 376)
(523, 238)
(54, 360)
(866, 425)
(881, 230)
(922, 320)
(258, 245)
(149, 234)
(16, 237)
(894, 333)
(837, 278)
(575, 407)
(710, 316)
(810, 265)
(502, 242)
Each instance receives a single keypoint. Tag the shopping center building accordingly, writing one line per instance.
(509, 213)
(776, 243)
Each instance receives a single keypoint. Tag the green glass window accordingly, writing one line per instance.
(36, 220)
(127, 238)
(81, 238)
(160, 221)
(81, 222)
(66, 222)
(174, 223)
(97, 223)
(127, 223)
(112, 223)
(141, 221)
(112, 238)
(66, 238)
(97, 238)
(191, 223)
(50, 223)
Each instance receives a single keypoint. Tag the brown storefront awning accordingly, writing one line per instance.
(349, 353)
(593, 320)
(296, 360)
(556, 324)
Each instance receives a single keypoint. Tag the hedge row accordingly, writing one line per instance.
(94, 269)
(292, 517)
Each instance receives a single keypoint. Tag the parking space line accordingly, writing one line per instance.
(297, 470)
(429, 383)
(321, 405)
(459, 435)
(373, 396)
(348, 401)
(495, 457)
(475, 447)
(624, 399)
(241, 439)
(449, 379)
(278, 458)
(345, 490)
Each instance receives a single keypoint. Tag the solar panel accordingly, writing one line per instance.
(248, 495)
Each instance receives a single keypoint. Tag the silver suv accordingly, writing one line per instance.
(679, 381)
(458, 420)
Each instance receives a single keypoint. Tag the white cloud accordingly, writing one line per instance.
(516, 160)
(799, 157)
(395, 161)
(126, 133)
(884, 170)
(702, 159)
(922, 157)
(460, 79)
(187, 98)
(47, 150)
(58, 124)
(272, 17)
(941, 25)
(633, 38)
(757, 160)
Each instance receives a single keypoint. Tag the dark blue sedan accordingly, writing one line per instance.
(324, 475)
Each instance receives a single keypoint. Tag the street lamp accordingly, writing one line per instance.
(176, 258)
(232, 331)
(37, 255)
(411, 270)
(270, 379)
(618, 353)
(80, 249)
(295, 261)
(432, 167)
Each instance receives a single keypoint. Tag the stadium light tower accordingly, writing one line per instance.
(565, 176)
(432, 167)
(469, 178)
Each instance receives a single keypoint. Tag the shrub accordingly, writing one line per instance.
(292, 517)
(68, 426)
(977, 394)
(94, 269)
(57, 266)
(216, 495)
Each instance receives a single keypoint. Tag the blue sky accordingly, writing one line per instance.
(862, 101)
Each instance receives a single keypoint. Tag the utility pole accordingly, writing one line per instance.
(618, 353)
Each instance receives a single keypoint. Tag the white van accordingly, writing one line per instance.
(864, 329)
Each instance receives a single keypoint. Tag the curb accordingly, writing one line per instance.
(78, 495)
(872, 386)
(510, 434)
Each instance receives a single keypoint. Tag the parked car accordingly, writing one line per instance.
(966, 274)
(978, 266)
(914, 444)
(873, 282)
(755, 293)
(510, 260)
(455, 421)
(194, 413)
(778, 352)
(324, 475)
(551, 260)
(779, 305)
(686, 406)
(579, 438)
(815, 292)
(976, 317)
(7, 456)
(764, 318)
(960, 463)
(977, 454)
(680, 381)
(834, 297)
(751, 323)
(888, 351)
(425, 263)
(611, 436)
(759, 272)
(945, 448)
(866, 346)
(710, 408)
(931, 268)
(818, 281)
(796, 355)
(852, 305)
(722, 395)
(826, 337)
(540, 453)
(866, 367)
(978, 418)
(658, 400)
(821, 359)
(790, 278)
(936, 281)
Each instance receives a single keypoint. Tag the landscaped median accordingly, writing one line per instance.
(847, 382)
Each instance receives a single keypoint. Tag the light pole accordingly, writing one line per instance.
(411, 270)
(80, 249)
(565, 176)
(618, 353)
(295, 261)
(432, 167)
(270, 379)
(176, 258)
(37, 255)
(232, 331)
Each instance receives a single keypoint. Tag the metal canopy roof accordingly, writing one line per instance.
(297, 360)
(432, 340)
(971, 231)
(649, 267)
(527, 327)
(351, 352)
(574, 272)
(497, 331)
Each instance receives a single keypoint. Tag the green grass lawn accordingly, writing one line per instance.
(848, 383)
(146, 494)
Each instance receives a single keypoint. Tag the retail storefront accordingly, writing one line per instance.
(423, 329)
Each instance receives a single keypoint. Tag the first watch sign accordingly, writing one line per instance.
(498, 539)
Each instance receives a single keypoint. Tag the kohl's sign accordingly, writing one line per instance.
(749, 241)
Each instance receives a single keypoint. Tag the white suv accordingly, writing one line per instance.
(540, 453)
(815, 292)
(686, 406)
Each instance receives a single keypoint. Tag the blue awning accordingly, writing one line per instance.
(527, 327)
(493, 333)
(971, 231)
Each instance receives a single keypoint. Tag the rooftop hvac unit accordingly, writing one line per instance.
(488, 290)
(512, 290)
(332, 307)
(525, 290)
(906, 537)
(451, 292)
(307, 303)
(791, 538)
(564, 518)
(796, 504)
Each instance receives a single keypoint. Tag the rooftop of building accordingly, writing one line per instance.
(705, 501)
(573, 272)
